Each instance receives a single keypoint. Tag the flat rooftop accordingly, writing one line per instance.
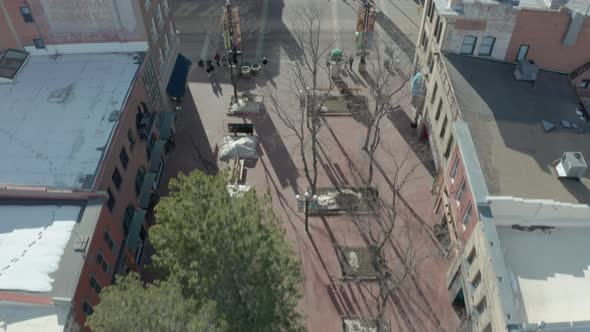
(549, 275)
(41, 245)
(579, 6)
(55, 118)
(504, 118)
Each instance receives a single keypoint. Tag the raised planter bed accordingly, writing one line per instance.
(356, 263)
(343, 105)
(345, 199)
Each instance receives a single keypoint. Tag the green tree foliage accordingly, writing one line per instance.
(229, 250)
(128, 306)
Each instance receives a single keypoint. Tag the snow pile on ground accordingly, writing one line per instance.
(353, 260)
(238, 146)
(237, 107)
(328, 201)
(355, 325)
(237, 190)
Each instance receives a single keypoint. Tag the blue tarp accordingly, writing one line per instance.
(177, 83)
(416, 84)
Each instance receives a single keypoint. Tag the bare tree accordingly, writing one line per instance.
(390, 235)
(386, 90)
(304, 121)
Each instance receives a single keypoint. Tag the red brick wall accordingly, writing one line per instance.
(113, 221)
(544, 31)
(459, 208)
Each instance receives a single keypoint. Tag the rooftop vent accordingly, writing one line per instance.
(571, 165)
(526, 71)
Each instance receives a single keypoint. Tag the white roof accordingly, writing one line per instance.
(550, 272)
(54, 117)
(32, 242)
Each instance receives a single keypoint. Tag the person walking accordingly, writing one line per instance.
(350, 61)
(217, 58)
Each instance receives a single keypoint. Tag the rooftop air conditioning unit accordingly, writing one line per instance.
(526, 70)
(571, 165)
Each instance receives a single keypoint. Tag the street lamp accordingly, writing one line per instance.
(305, 200)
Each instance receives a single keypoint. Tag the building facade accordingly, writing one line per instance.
(90, 92)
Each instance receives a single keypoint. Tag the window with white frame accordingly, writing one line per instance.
(454, 170)
(166, 46)
(160, 17)
(468, 45)
(154, 31)
(146, 4)
(166, 9)
(487, 46)
(161, 59)
(460, 192)
(467, 215)
(584, 84)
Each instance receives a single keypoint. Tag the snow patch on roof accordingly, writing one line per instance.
(32, 242)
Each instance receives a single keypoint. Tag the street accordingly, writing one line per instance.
(421, 303)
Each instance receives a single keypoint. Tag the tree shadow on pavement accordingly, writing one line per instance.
(402, 122)
(278, 155)
(404, 43)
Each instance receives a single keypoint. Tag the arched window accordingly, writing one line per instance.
(129, 211)
(139, 179)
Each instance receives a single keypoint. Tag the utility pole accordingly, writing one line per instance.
(365, 26)
(231, 42)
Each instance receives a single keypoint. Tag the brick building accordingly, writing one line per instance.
(515, 217)
(90, 91)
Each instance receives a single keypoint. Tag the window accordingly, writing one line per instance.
(430, 9)
(109, 240)
(468, 45)
(467, 215)
(131, 139)
(117, 179)
(454, 169)
(433, 96)
(161, 59)
(482, 305)
(584, 84)
(487, 46)
(476, 280)
(87, 308)
(460, 192)
(129, 211)
(471, 256)
(166, 9)
(25, 11)
(440, 31)
(438, 110)
(443, 128)
(166, 46)
(160, 17)
(139, 179)
(100, 260)
(437, 26)
(110, 200)
(94, 284)
(150, 145)
(423, 38)
(39, 43)
(146, 4)
(154, 31)
(124, 158)
(523, 50)
(449, 147)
